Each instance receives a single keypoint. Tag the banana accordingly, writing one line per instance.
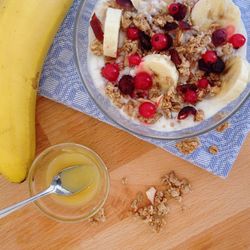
(111, 32)
(165, 72)
(136, 3)
(27, 31)
(222, 12)
(234, 79)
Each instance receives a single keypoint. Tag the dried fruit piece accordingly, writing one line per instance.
(219, 66)
(126, 85)
(147, 109)
(237, 41)
(145, 41)
(127, 4)
(184, 25)
(143, 81)
(183, 88)
(186, 111)
(204, 66)
(96, 26)
(219, 37)
(170, 26)
(133, 33)
(111, 71)
(175, 57)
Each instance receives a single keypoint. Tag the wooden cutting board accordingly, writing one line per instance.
(217, 214)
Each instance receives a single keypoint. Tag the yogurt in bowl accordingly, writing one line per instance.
(171, 68)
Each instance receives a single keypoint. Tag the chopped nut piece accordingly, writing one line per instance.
(188, 146)
(114, 94)
(162, 18)
(151, 195)
(223, 127)
(142, 24)
(213, 150)
(199, 116)
(99, 217)
(97, 48)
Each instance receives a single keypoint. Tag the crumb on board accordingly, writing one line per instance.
(124, 180)
(213, 150)
(154, 213)
(99, 217)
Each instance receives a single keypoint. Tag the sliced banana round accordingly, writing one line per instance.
(111, 32)
(222, 12)
(235, 79)
(164, 70)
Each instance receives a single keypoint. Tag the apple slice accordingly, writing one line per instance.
(136, 3)
(111, 32)
(96, 26)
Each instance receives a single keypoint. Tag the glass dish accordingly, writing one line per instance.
(37, 180)
(81, 42)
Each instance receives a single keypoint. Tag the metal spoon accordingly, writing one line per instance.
(56, 187)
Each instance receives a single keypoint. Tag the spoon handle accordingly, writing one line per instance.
(6, 211)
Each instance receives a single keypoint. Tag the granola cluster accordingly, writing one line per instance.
(154, 209)
(187, 45)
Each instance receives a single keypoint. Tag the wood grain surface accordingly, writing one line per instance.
(217, 214)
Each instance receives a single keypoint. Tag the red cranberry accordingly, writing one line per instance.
(147, 109)
(186, 111)
(219, 66)
(159, 41)
(180, 12)
(184, 25)
(210, 57)
(203, 83)
(126, 85)
(96, 26)
(127, 4)
(144, 41)
(219, 37)
(171, 26)
(173, 8)
(134, 59)
(175, 57)
(133, 33)
(237, 41)
(190, 96)
(111, 72)
(143, 81)
(204, 66)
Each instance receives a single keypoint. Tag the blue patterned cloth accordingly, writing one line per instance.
(60, 82)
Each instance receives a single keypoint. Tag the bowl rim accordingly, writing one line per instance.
(120, 125)
(59, 218)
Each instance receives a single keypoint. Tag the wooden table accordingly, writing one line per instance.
(217, 214)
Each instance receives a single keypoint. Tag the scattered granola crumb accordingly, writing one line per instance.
(124, 181)
(199, 115)
(155, 214)
(99, 217)
(162, 18)
(142, 24)
(127, 19)
(114, 94)
(188, 146)
(213, 150)
(223, 127)
(97, 48)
